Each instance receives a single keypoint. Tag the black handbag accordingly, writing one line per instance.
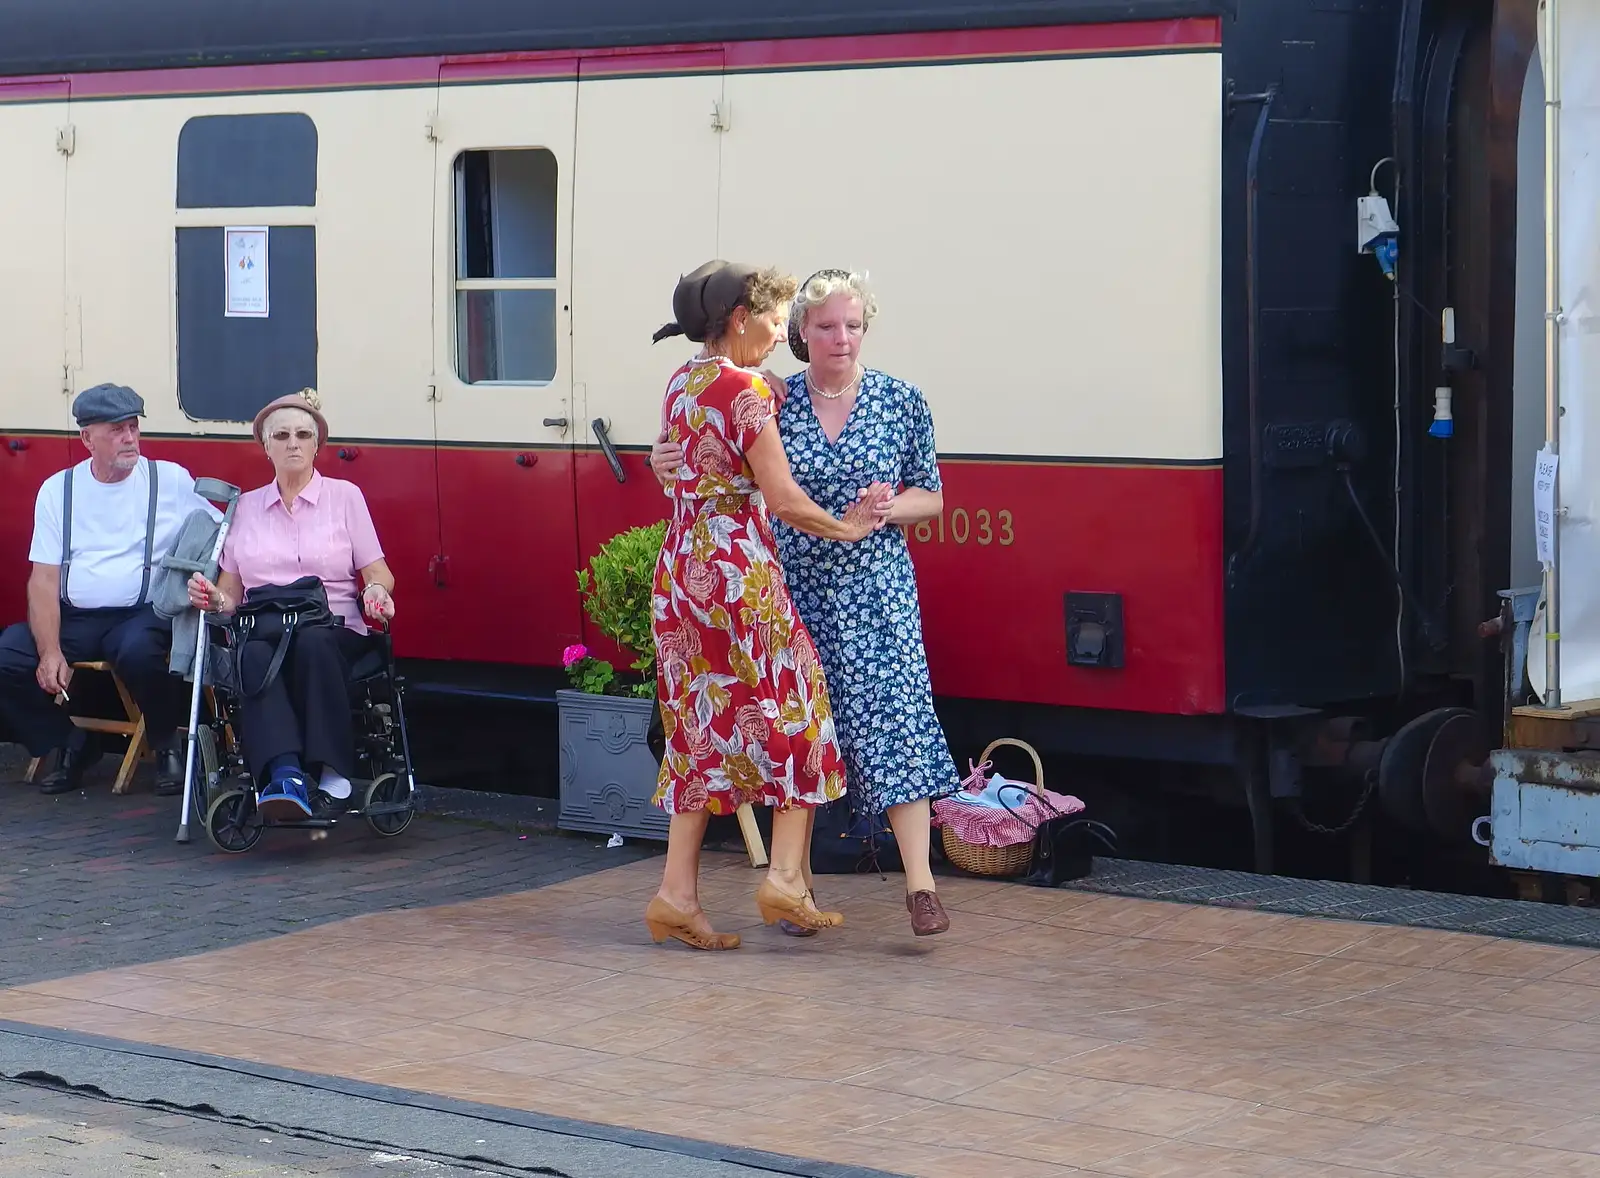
(1064, 845)
(272, 613)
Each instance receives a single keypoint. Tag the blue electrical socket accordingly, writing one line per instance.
(1387, 250)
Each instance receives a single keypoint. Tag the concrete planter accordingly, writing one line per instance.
(608, 774)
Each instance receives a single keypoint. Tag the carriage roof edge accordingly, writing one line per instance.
(41, 37)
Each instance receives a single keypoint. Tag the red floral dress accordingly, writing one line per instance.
(743, 702)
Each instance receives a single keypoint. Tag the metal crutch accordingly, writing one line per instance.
(218, 492)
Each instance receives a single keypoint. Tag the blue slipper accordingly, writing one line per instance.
(285, 798)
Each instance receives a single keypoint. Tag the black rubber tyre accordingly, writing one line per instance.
(386, 790)
(207, 774)
(233, 824)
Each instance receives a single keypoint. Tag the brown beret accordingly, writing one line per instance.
(305, 399)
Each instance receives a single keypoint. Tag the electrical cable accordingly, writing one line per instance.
(1377, 542)
(1400, 609)
(1399, 436)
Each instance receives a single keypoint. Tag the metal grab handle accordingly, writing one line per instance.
(610, 451)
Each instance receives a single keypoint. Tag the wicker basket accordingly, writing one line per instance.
(995, 861)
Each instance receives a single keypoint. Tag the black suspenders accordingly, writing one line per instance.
(149, 532)
(66, 534)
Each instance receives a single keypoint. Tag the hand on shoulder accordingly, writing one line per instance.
(779, 386)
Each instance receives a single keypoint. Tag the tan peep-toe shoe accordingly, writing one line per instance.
(664, 921)
(776, 905)
(791, 929)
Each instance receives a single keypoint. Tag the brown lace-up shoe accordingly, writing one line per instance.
(927, 914)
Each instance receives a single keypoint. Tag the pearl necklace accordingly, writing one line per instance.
(844, 392)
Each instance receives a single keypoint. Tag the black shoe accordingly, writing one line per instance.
(71, 764)
(169, 773)
(325, 805)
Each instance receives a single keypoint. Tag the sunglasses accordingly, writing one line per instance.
(299, 435)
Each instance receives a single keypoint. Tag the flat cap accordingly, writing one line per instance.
(107, 403)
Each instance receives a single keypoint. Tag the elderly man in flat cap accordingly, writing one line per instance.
(100, 530)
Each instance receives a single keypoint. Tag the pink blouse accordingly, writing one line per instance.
(329, 535)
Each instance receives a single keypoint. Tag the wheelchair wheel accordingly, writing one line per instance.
(233, 823)
(388, 790)
(207, 772)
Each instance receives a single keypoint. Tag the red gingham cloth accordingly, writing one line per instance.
(987, 826)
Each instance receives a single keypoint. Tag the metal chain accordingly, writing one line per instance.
(1360, 808)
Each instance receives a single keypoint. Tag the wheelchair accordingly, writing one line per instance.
(225, 796)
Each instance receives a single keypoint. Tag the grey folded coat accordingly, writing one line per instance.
(169, 593)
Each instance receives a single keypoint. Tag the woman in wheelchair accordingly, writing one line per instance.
(297, 730)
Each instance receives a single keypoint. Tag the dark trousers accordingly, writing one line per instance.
(305, 710)
(135, 641)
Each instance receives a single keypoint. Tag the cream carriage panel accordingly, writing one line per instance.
(32, 233)
(1044, 237)
(502, 261)
(645, 211)
(373, 220)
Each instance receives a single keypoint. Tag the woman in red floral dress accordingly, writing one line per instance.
(744, 706)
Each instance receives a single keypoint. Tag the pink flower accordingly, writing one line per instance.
(575, 653)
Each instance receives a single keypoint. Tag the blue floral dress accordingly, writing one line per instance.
(860, 600)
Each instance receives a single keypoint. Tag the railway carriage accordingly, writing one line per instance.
(1183, 419)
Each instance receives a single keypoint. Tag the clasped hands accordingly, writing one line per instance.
(376, 602)
(878, 504)
(880, 500)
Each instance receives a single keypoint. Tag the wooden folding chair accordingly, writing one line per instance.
(133, 728)
(753, 846)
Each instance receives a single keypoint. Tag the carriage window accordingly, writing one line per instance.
(247, 161)
(505, 266)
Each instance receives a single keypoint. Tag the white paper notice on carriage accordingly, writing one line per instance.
(1544, 504)
(248, 286)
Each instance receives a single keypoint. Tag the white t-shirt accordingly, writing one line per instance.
(108, 526)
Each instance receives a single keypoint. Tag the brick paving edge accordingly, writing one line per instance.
(337, 1098)
(520, 813)
(1522, 920)
(502, 811)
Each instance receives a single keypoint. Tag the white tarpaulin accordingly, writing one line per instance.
(1578, 244)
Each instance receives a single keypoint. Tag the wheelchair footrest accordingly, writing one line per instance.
(382, 811)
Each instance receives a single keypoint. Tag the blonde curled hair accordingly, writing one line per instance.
(818, 289)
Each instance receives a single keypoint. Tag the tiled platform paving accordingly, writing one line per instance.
(1049, 1034)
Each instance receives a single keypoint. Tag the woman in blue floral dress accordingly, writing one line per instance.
(844, 428)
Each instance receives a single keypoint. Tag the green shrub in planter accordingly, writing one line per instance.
(608, 768)
(617, 589)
